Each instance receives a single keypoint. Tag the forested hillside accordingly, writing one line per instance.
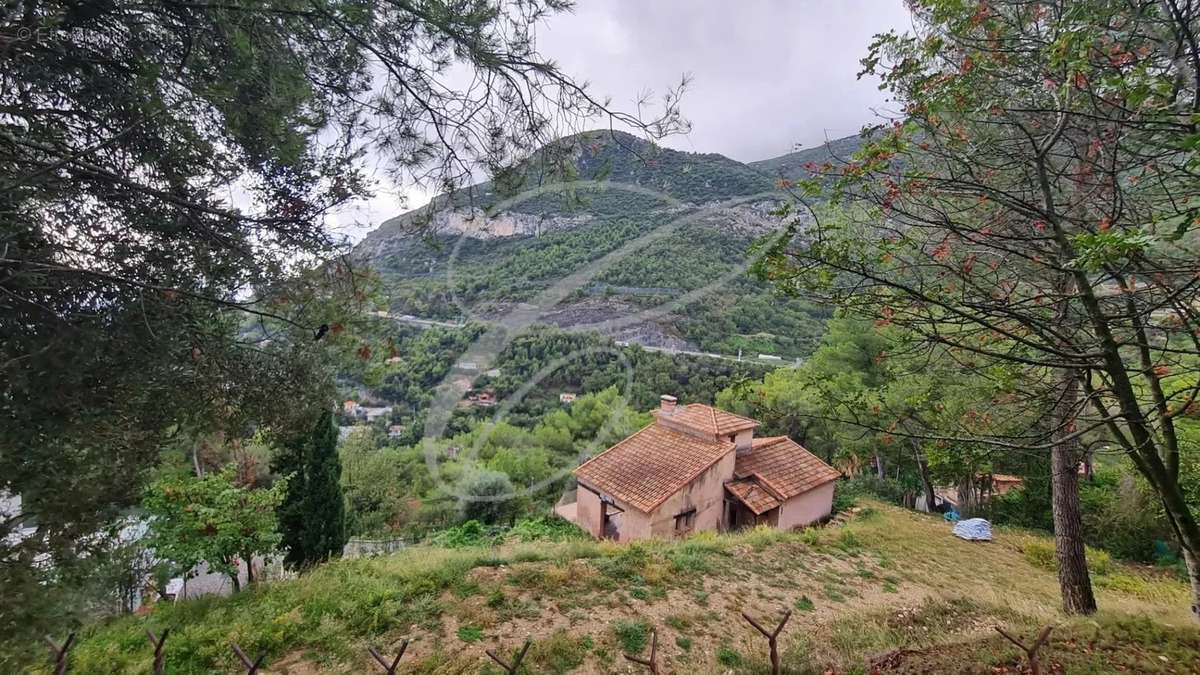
(526, 230)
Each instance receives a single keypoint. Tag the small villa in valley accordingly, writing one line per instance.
(699, 468)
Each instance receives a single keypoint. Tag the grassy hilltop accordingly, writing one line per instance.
(886, 580)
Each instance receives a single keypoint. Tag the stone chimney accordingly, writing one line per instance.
(667, 403)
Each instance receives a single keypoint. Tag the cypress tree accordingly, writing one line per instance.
(312, 515)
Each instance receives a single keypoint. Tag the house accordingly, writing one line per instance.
(699, 468)
(983, 489)
(566, 397)
(395, 431)
(372, 413)
(481, 399)
(1003, 483)
(350, 407)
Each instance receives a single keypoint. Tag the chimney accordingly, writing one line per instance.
(668, 403)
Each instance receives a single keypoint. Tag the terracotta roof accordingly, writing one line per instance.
(757, 498)
(651, 465)
(707, 419)
(784, 466)
(1006, 478)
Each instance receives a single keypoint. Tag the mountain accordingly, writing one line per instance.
(519, 234)
(792, 165)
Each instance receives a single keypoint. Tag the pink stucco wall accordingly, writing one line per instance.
(587, 511)
(806, 508)
(743, 440)
(706, 494)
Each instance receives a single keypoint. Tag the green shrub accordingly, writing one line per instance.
(678, 622)
(470, 633)
(627, 565)
(728, 657)
(1122, 515)
(1124, 582)
(546, 528)
(633, 635)
(848, 541)
(763, 536)
(684, 643)
(558, 654)
(470, 533)
(848, 492)
(805, 604)
(1042, 554)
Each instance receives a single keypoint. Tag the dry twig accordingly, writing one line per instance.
(652, 662)
(160, 657)
(251, 666)
(59, 654)
(391, 670)
(772, 638)
(511, 669)
(1032, 650)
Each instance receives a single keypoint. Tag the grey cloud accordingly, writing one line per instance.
(767, 75)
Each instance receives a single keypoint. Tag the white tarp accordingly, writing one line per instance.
(973, 529)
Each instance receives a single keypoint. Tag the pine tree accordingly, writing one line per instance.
(312, 515)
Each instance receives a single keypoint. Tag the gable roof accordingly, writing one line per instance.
(707, 419)
(783, 466)
(756, 497)
(651, 465)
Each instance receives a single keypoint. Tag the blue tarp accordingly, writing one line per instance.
(973, 529)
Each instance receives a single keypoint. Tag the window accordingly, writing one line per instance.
(685, 521)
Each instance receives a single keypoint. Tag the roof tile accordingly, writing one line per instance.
(651, 465)
(784, 466)
(706, 419)
(755, 496)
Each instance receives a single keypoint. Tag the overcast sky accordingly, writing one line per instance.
(766, 75)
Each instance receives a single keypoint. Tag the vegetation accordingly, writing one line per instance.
(404, 365)
(312, 516)
(213, 520)
(1040, 172)
(180, 308)
(744, 315)
(947, 598)
(517, 471)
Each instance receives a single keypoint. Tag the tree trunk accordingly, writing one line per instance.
(879, 472)
(237, 583)
(923, 469)
(249, 560)
(1193, 572)
(1073, 579)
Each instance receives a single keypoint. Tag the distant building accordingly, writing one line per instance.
(394, 360)
(566, 397)
(699, 468)
(373, 413)
(350, 407)
(485, 398)
(1002, 483)
(396, 431)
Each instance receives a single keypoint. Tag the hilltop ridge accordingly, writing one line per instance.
(526, 229)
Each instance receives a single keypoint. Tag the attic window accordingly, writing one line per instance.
(684, 522)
